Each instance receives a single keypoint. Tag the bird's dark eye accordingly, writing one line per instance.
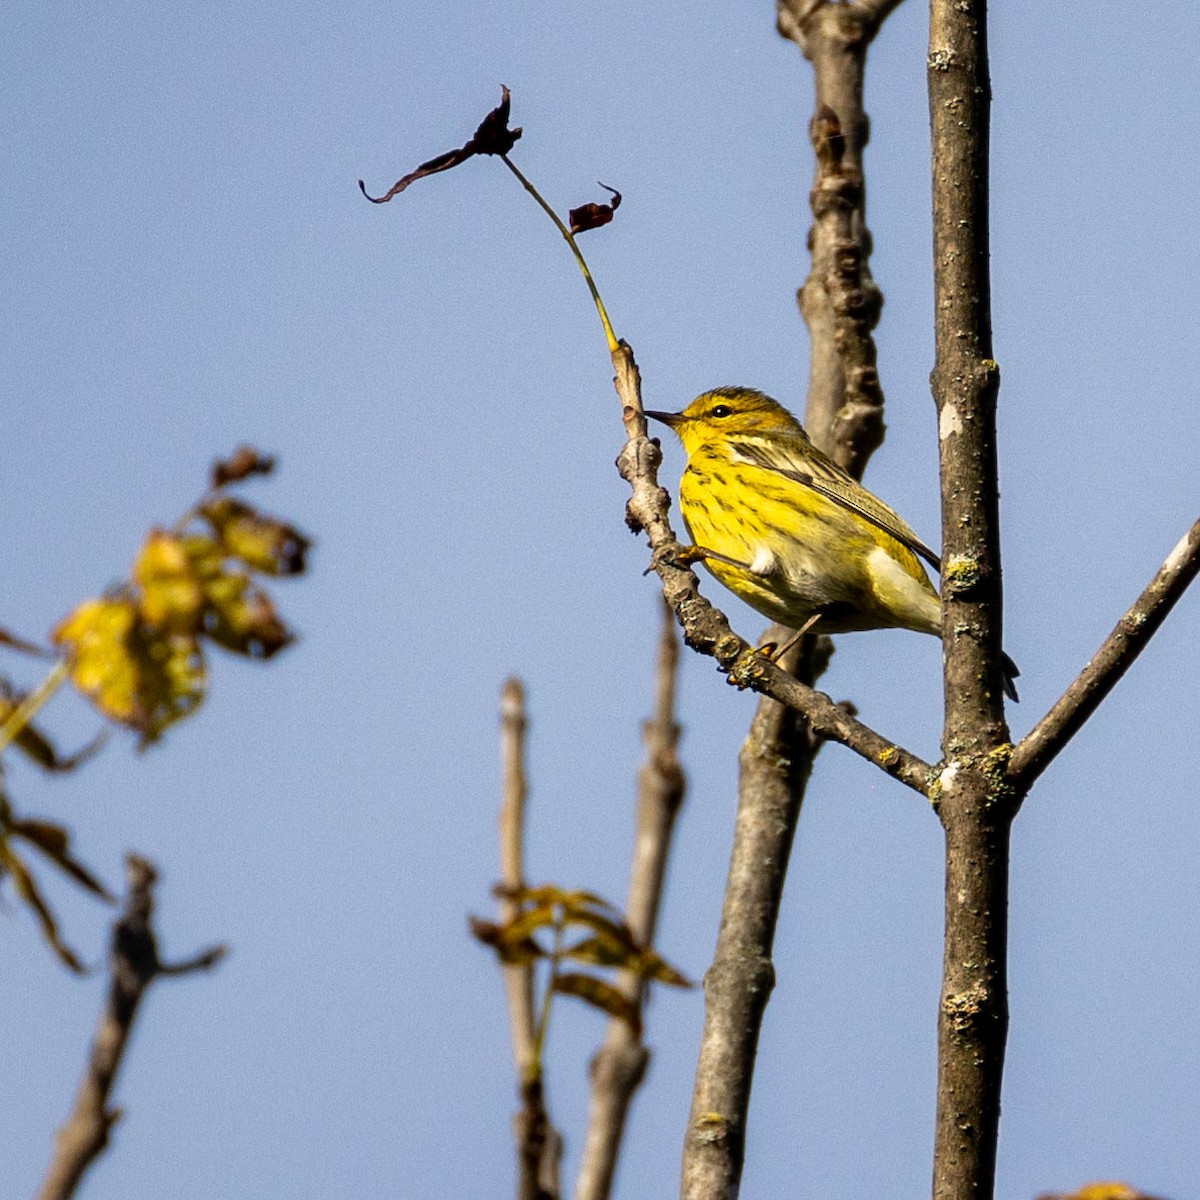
(720, 410)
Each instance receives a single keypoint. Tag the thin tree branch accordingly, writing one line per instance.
(973, 800)
(538, 1144)
(619, 1066)
(840, 305)
(134, 964)
(1128, 639)
(518, 979)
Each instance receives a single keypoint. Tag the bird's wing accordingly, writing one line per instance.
(814, 470)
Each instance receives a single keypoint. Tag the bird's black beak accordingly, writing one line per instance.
(666, 418)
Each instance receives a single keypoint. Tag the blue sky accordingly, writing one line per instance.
(190, 265)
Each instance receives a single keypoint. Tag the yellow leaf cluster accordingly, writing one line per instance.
(140, 676)
(138, 654)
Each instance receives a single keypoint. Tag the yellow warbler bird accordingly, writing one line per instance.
(782, 526)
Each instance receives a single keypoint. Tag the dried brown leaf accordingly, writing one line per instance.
(527, 922)
(27, 889)
(602, 951)
(242, 618)
(615, 930)
(55, 843)
(242, 463)
(492, 137)
(653, 967)
(509, 950)
(606, 950)
(592, 216)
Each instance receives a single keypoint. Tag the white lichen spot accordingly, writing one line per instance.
(949, 423)
(1177, 556)
(947, 776)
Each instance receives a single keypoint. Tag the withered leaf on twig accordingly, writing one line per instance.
(603, 996)
(55, 843)
(243, 462)
(492, 137)
(592, 216)
(8, 638)
(606, 941)
(27, 888)
(264, 543)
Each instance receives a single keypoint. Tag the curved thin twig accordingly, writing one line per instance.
(538, 1143)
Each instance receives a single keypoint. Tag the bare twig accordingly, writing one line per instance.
(134, 965)
(619, 1066)
(974, 801)
(538, 1144)
(1132, 632)
(518, 978)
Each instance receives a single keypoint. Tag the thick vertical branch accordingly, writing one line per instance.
(619, 1066)
(134, 964)
(975, 804)
(839, 300)
(775, 763)
(973, 1017)
(538, 1145)
(840, 305)
(965, 377)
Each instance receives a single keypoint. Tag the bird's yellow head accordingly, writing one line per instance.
(730, 412)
